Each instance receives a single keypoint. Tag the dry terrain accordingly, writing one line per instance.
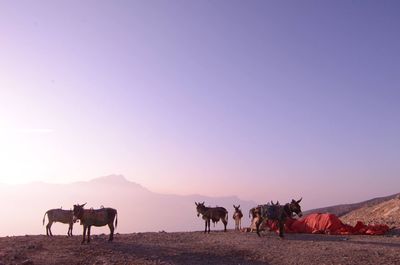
(343, 209)
(199, 248)
(387, 212)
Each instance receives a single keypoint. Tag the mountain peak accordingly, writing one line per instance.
(112, 179)
(116, 180)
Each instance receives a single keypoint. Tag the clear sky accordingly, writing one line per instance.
(262, 99)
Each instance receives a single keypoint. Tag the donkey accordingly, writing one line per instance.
(58, 215)
(254, 214)
(237, 216)
(278, 213)
(98, 217)
(214, 214)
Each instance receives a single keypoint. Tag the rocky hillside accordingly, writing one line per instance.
(343, 209)
(386, 212)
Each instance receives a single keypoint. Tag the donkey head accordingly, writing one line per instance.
(295, 207)
(275, 204)
(237, 208)
(78, 211)
(200, 208)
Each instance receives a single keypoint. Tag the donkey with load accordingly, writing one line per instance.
(278, 213)
(95, 217)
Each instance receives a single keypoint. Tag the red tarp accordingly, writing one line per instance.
(329, 224)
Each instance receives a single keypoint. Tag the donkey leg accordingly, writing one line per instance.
(84, 235)
(281, 228)
(88, 234)
(225, 223)
(111, 226)
(48, 226)
(258, 223)
(209, 225)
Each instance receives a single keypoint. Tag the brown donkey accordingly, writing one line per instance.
(214, 214)
(278, 213)
(59, 215)
(237, 216)
(98, 217)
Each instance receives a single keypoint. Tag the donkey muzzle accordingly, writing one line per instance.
(300, 214)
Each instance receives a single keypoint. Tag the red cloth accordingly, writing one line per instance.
(328, 224)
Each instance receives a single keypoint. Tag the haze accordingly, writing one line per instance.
(261, 99)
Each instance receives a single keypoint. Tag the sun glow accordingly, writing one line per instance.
(23, 154)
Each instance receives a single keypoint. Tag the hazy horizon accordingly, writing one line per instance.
(262, 100)
(139, 209)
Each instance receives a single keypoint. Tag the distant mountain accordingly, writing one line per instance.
(343, 209)
(139, 209)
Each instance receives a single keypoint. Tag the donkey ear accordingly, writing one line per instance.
(239, 206)
(300, 200)
(202, 203)
(234, 206)
(196, 203)
(83, 204)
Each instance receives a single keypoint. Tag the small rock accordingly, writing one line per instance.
(27, 262)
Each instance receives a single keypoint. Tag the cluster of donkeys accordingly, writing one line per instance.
(108, 216)
(261, 213)
(88, 218)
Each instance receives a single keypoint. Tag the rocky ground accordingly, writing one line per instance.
(387, 212)
(199, 248)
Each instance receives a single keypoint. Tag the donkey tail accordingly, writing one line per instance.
(116, 219)
(226, 216)
(44, 217)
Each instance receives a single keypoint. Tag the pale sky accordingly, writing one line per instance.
(261, 99)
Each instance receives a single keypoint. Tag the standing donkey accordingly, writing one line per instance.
(237, 216)
(278, 213)
(98, 217)
(214, 214)
(59, 215)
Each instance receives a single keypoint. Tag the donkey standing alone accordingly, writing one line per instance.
(237, 216)
(212, 213)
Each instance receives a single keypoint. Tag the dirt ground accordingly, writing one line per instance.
(199, 248)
